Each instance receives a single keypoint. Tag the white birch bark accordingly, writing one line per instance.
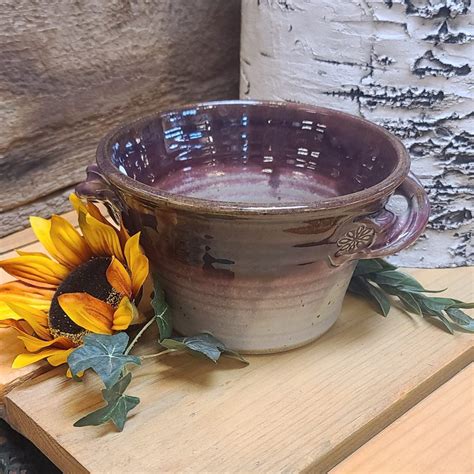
(405, 64)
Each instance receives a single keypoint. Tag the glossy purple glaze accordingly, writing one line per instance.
(253, 214)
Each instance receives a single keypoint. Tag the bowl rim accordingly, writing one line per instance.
(152, 195)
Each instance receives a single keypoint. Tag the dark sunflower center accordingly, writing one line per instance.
(90, 277)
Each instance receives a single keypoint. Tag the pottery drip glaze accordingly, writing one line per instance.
(254, 214)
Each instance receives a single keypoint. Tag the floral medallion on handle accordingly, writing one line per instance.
(355, 239)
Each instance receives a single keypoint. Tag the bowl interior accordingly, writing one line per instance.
(254, 153)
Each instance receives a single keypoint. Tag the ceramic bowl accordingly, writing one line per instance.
(254, 214)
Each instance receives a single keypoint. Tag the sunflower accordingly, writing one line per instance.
(88, 283)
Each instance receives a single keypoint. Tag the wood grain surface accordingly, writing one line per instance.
(304, 410)
(72, 71)
(435, 436)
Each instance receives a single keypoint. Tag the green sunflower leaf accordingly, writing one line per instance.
(202, 345)
(117, 408)
(162, 311)
(104, 355)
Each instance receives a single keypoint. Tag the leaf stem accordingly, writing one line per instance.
(158, 354)
(139, 335)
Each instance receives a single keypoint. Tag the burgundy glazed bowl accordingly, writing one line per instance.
(254, 214)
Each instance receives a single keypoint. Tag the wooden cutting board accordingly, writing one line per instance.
(435, 436)
(304, 410)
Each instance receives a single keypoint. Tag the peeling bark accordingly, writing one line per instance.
(428, 64)
(405, 64)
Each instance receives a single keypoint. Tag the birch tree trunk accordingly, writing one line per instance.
(404, 64)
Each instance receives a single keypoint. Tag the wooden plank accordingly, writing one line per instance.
(71, 73)
(437, 435)
(18, 217)
(24, 237)
(10, 378)
(304, 410)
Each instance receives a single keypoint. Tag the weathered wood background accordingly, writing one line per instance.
(405, 64)
(70, 71)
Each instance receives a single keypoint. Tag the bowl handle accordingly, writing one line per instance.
(384, 232)
(96, 189)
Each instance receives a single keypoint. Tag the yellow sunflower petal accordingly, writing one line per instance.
(7, 313)
(35, 269)
(22, 327)
(136, 262)
(119, 278)
(77, 203)
(19, 289)
(124, 314)
(22, 360)
(23, 253)
(59, 357)
(69, 374)
(14, 324)
(94, 211)
(42, 229)
(86, 208)
(19, 292)
(37, 319)
(101, 238)
(88, 312)
(34, 344)
(71, 246)
(123, 234)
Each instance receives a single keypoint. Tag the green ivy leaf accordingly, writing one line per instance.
(104, 355)
(117, 408)
(235, 355)
(205, 344)
(162, 311)
(201, 345)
